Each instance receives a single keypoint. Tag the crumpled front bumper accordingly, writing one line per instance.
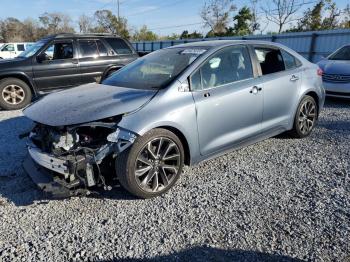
(51, 173)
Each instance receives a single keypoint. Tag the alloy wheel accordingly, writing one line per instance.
(307, 117)
(13, 94)
(157, 164)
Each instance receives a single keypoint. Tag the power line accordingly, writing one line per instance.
(176, 26)
(156, 8)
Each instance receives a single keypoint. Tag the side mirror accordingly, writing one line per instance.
(41, 58)
(184, 86)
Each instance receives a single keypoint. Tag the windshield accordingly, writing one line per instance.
(32, 49)
(342, 54)
(155, 70)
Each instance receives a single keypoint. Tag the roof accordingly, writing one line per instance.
(66, 35)
(220, 43)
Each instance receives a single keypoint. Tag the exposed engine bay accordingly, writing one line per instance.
(79, 155)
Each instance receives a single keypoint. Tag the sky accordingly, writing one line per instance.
(164, 17)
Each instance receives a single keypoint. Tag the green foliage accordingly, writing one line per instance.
(243, 20)
(193, 35)
(323, 16)
(144, 35)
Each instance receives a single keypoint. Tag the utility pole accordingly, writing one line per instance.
(118, 10)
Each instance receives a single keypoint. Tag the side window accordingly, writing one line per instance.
(270, 60)
(58, 51)
(119, 46)
(229, 65)
(9, 48)
(101, 48)
(20, 47)
(88, 48)
(290, 61)
(196, 81)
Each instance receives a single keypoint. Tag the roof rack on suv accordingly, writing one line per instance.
(83, 34)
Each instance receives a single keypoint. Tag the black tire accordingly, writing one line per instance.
(126, 164)
(22, 93)
(305, 121)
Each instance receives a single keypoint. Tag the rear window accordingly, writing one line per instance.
(88, 48)
(119, 46)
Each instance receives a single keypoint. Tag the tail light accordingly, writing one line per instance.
(319, 72)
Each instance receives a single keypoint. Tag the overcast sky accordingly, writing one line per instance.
(162, 16)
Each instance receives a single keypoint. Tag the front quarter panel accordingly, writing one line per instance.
(169, 108)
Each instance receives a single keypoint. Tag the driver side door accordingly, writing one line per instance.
(57, 66)
(229, 105)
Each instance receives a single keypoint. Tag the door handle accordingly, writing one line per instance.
(294, 78)
(207, 94)
(74, 61)
(255, 90)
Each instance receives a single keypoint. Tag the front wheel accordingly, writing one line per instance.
(305, 117)
(152, 165)
(14, 94)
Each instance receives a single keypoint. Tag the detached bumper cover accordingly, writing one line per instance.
(44, 179)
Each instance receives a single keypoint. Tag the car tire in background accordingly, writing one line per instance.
(305, 118)
(14, 94)
(152, 165)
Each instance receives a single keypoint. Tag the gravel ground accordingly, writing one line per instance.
(281, 200)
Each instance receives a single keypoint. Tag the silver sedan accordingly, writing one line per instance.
(336, 73)
(174, 107)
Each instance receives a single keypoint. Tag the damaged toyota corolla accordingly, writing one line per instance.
(174, 107)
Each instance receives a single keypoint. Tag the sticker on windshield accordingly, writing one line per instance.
(193, 51)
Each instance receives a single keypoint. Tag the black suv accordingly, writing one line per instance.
(58, 62)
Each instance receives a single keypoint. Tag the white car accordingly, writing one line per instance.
(12, 50)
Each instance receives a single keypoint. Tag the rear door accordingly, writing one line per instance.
(93, 59)
(57, 66)
(280, 79)
(228, 103)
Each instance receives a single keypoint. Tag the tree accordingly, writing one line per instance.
(173, 36)
(242, 22)
(85, 24)
(254, 21)
(331, 21)
(31, 30)
(11, 29)
(346, 20)
(107, 22)
(144, 35)
(281, 12)
(186, 35)
(324, 15)
(55, 23)
(216, 15)
(312, 18)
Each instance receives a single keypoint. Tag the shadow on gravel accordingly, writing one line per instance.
(15, 185)
(333, 102)
(214, 254)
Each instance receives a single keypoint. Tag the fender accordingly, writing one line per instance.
(20, 75)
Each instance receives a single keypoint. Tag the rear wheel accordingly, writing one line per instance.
(305, 118)
(14, 94)
(152, 165)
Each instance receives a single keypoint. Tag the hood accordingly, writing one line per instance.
(12, 60)
(338, 67)
(87, 103)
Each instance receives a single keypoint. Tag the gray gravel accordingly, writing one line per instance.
(281, 199)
